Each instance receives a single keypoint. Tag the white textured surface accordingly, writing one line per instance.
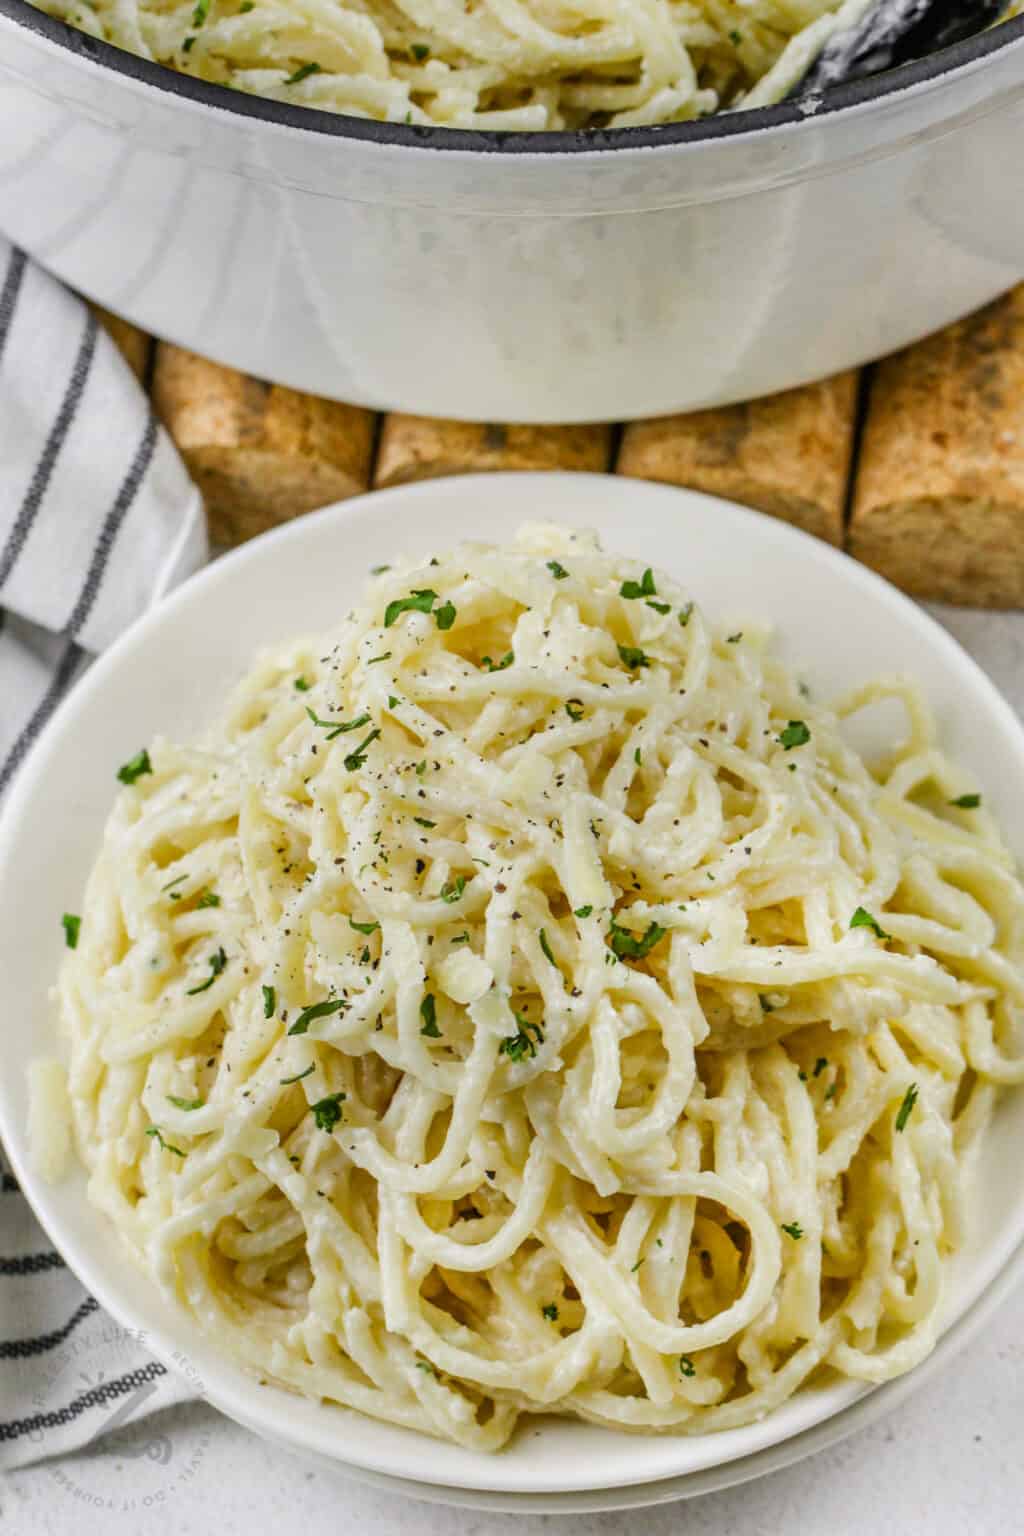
(946, 1462)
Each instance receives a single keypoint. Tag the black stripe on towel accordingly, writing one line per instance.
(111, 527)
(74, 654)
(58, 432)
(24, 1349)
(31, 1264)
(96, 1397)
(59, 683)
(9, 292)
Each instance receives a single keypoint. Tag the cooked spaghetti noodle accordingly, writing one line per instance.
(527, 1000)
(502, 64)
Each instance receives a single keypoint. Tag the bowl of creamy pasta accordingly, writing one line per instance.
(514, 210)
(490, 68)
(536, 1016)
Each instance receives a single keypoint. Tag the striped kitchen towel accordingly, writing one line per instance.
(98, 519)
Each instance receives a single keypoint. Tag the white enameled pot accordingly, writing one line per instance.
(549, 277)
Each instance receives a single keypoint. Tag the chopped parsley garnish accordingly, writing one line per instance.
(793, 1229)
(200, 12)
(517, 1047)
(636, 1266)
(583, 911)
(453, 889)
(795, 734)
(643, 588)
(736, 38)
(299, 1075)
(188, 45)
(766, 1005)
(636, 757)
(686, 1366)
(301, 684)
(208, 899)
(384, 656)
(245, 7)
(658, 607)
(632, 656)
(497, 666)
(327, 1112)
(318, 1011)
(172, 883)
(421, 600)
(269, 1002)
(185, 1103)
(366, 928)
(558, 571)
(216, 963)
(425, 1365)
(546, 948)
(735, 639)
(626, 945)
(421, 768)
(337, 727)
(684, 614)
(378, 570)
(966, 802)
(819, 1066)
(155, 1131)
(863, 919)
(357, 758)
(444, 617)
(550, 1312)
(460, 938)
(906, 1108)
(393, 702)
(303, 73)
(574, 709)
(420, 51)
(71, 924)
(428, 1013)
(135, 767)
(421, 821)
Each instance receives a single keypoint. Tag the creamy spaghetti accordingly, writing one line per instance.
(501, 64)
(527, 1000)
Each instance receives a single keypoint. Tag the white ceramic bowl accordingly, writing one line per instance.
(516, 277)
(169, 673)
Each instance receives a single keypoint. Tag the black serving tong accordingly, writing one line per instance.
(894, 32)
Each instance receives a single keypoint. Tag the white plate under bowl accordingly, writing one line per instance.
(169, 674)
